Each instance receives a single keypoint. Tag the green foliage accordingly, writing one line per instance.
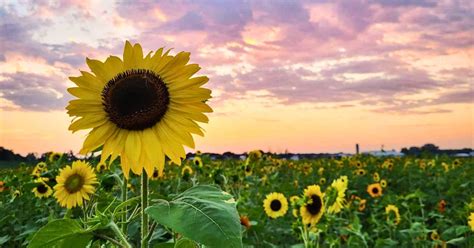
(204, 214)
(65, 233)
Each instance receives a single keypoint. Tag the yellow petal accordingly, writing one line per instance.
(84, 93)
(97, 137)
(89, 121)
(133, 147)
(89, 81)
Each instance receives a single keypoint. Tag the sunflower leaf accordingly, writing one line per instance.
(204, 214)
(61, 233)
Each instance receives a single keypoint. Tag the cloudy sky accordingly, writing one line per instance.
(302, 76)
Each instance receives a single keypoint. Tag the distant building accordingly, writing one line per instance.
(391, 153)
(295, 158)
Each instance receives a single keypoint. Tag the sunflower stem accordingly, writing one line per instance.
(144, 229)
(119, 234)
(68, 213)
(124, 199)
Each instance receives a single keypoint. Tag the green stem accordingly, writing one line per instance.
(144, 192)
(124, 199)
(68, 213)
(119, 234)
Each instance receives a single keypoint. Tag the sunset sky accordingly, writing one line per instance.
(302, 76)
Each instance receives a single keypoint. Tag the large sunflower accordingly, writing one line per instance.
(75, 183)
(275, 205)
(313, 208)
(140, 108)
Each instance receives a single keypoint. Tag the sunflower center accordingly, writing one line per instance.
(135, 99)
(42, 189)
(315, 206)
(375, 190)
(155, 174)
(275, 205)
(74, 183)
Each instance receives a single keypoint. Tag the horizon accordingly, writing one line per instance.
(329, 76)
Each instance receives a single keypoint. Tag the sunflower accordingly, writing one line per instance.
(434, 235)
(245, 222)
(187, 170)
(322, 181)
(376, 177)
(198, 162)
(16, 193)
(42, 190)
(442, 206)
(383, 183)
(142, 109)
(2, 186)
(313, 208)
(248, 170)
(470, 221)
(275, 205)
(155, 175)
(362, 204)
(360, 172)
(392, 209)
(54, 156)
(75, 183)
(101, 167)
(40, 168)
(374, 190)
(339, 186)
(254, 156)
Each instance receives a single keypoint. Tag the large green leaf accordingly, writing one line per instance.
(61, 233)
(204, 214)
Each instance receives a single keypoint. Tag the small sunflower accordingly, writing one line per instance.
(470, 221)
(198, 162)
(340, 186)
(376, 177)
(16, 193)
(142, 109)
(275, 205)
(434, 235)
(245, 222)
(393, 209)
(156, 174)
(383, 183)
(322, 181)
(362, 205)
(75, 184)
(374, 190)
(55, 156)
(442, 206)
(254, 156)
(360, 172)
(187, 170)
(248, 170)
(42, 190)
(2, 186)
(101, 167)
(313, 208)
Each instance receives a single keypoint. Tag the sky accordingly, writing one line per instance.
(297, 76)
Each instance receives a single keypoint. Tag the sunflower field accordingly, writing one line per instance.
(135, 186)
(358, 201)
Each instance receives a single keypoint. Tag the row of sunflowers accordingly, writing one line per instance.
(358, 201)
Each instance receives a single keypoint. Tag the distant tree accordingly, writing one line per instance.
(429, 149)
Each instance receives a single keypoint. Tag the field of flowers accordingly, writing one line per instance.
(359, 201)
